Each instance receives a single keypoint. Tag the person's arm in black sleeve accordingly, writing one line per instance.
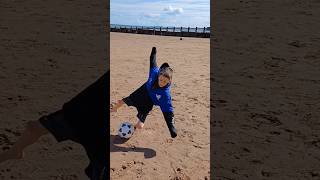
(153, 58)
(169, 117)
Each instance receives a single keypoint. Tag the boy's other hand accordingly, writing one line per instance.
(113, 108)
(173, 133)
(154, 50)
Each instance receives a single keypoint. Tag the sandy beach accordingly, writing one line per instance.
(265, 119)
(151, 153)
(50, 51)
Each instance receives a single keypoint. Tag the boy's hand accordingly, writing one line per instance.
(169, 117)
(154, 50)
(173, 132)
(113, 108)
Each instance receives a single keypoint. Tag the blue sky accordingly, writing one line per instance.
(186, 13)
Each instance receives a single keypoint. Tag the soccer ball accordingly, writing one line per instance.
(126, 130)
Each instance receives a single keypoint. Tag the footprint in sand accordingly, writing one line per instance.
(297, 44)
(266, 173)
(266, 119)
(15, 133)
(220, 103)
(67, 148)
(4, 140)
(22, 98)
(179, 175)
(186, 133)
(131, 164)
(52, 63)
(255, 161)
(62, 51)
(65, 177)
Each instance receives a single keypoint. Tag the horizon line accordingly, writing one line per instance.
(159, 25)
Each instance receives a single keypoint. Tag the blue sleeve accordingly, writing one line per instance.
(153, 62)
(169, 118)
(166, 104)
(153, 73)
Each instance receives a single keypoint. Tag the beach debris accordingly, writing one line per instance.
(297, 44)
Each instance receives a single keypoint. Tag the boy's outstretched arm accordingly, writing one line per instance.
(167, 110)
(153, 58)
(169, 117)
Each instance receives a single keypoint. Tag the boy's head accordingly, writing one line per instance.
(165, 75)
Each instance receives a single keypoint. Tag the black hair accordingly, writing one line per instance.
(164, 65)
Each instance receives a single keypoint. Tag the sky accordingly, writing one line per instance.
(186, 13)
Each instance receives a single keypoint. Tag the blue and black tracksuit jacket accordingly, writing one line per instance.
(150, 94)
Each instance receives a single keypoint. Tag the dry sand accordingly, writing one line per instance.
(151, 153)
(266, 84)
(49, 51)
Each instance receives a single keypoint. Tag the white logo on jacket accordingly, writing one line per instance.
(158, 96)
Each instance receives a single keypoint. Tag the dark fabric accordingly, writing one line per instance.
(85, 119)
(164, 65)
(95, 148)
(168, 116)
(55, 123)
(141, 100)
(88, 112)
(97, 154)
(153, 56)
(128, 101)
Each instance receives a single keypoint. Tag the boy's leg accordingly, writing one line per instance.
(141, 119)
(53, 123)
(33, 131)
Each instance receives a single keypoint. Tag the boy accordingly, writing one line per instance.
(84, 120)
(156, 91)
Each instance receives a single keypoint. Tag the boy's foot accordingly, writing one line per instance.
(139, 125)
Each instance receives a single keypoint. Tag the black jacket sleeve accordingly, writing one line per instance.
(153, 58)
(169, 117)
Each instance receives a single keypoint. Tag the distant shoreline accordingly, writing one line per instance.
(163, 31)
(164, 28)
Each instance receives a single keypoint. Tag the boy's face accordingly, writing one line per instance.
(163, 81)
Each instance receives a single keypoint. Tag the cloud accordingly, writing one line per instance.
(173, 11)
(161, 12)
(151, 15)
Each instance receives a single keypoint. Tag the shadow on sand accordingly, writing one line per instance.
(114, 139)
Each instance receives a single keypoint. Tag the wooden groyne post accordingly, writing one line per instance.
(154, 31)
